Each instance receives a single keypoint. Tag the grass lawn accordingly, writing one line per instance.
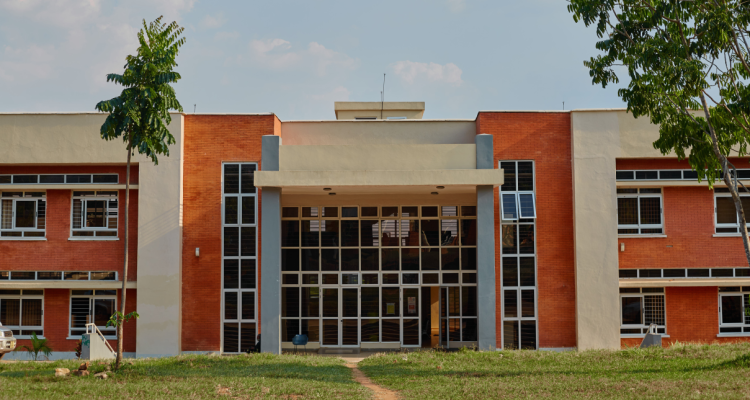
(188, 377)
(683, 371)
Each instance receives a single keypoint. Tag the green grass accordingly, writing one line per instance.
(188, 377)
(683, 371)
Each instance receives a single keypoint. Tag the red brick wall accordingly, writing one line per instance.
(209, 141)
(545, 139)
(689, 226)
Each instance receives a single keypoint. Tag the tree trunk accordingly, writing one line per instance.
(733, 190)
(121, 317)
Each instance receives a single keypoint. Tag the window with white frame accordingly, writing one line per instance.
(239, 257)
(92, 306)
(22, 311)
(725, 213)
(734, 310)
(641, 307)
(639, 211)
(519, 296)
(94, 214)
(22, 214)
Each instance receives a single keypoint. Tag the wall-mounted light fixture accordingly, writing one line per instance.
(622, 246)
(434, 193)
(197, 251)
(327, 189)
(440, 187)
(331, 194)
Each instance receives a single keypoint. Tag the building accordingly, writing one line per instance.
(377, 230)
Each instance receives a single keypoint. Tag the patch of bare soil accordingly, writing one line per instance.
(381, 393)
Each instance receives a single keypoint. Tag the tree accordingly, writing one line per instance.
(688, 65)
(37, 346)
(140, 115)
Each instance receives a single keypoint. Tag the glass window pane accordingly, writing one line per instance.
(330, 279)
(77, 207)
(468, 232)
(230, 305)
(231, 178)
(349, 332)
(310, 233)
(231, 274)
(6, 219)
(290, 233)
(247, 337)
(10, 311)
(429, 211)
(410, 259)
(468, 259)
(632, 311)
(311, 328)
(449, 232)
(409, 212)
(411, 332)
(390, 233)
(370, 259)
(528, 335)
(731, 309)
(79, 312)
(349, 303)
(469, 301)
(510, 335)
(103, 310)
(310, 212)
(310, 260)
(410, 232)
(310, 302)
(289, 259)
(350, 233)
(330, 212)
(527, 208)
(41, 212)
(289, 212)
(525, 175)
(510, 271)
(289, 329)
(509, 209)
(510, 239)
(390, 302)
(527, 271)
(329, 260)
(627, 211)
(526, 239)
(25, 214)
(370, 301)
(509, 173)
(248, 178)
(247, 277)
(510, 303)
(289, 302)
(230, 210)
(331, 303)
(231, 338)
(370, 234)
(248, 241)
(391, 330)
(527, 303)
(329, 236)
(650, 210)
(390, 259)
(248, 210)
(350, 259)
(389, 211)
(430, 232)
(231, 241)
(349, 212)
(449, 258)
(248, 305)
(370, 330)
(369, 211)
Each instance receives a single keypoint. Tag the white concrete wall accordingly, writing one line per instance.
(378, 132)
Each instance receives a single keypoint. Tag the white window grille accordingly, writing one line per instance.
(734, 310)
(22, 215)
(639, 308)
(639, 211)
(92, 306)
(22, 311)
(726, 219)
(94, 215)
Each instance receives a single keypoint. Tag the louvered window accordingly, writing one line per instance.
(22, 215)
(94, 215)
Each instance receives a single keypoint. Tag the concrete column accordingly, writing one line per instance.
(270, 255)
(486, 248)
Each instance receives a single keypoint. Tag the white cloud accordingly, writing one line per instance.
(210, 22)
(456, 5)
(410, 72)
(277, 54)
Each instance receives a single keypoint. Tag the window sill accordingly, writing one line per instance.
(640, 336)
(23, 239)
(79, 337)
(93, 239)
(26, 337)
(641, 236)
(727, 235)
(737, 334)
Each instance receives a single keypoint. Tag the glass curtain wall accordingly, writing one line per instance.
(518, 236)
(352, 275)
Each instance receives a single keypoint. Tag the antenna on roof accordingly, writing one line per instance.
(194, 105)
(382, 97)
(563, 105)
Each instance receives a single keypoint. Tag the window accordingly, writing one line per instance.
(92, 306)
(734, 310)
(58, 178)
(517, 197)
(239, 271)
(725, 213)
(22, 311)
(641, 307)
(639, 211)
(22, 214)
(94, 214)
(518, 261)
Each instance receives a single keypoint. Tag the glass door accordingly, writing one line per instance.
(410, 323)
(340, 317)
(330, 317)
(350, 316)
(450, 313)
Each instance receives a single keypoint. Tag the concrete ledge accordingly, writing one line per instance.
(56, 355)
(453, 177)
(66, 285)
(64, 186)
(639, 184)
(682, 282)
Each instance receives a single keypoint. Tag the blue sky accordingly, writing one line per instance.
(295, 58)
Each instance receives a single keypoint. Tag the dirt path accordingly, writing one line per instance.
(381, 393)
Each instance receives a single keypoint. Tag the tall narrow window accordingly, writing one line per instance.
(22, 311)
(94, 214)
(725, 212)
(641, 307)
(518, 242)
(639, 211)
(22, 215)
(239, 250)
